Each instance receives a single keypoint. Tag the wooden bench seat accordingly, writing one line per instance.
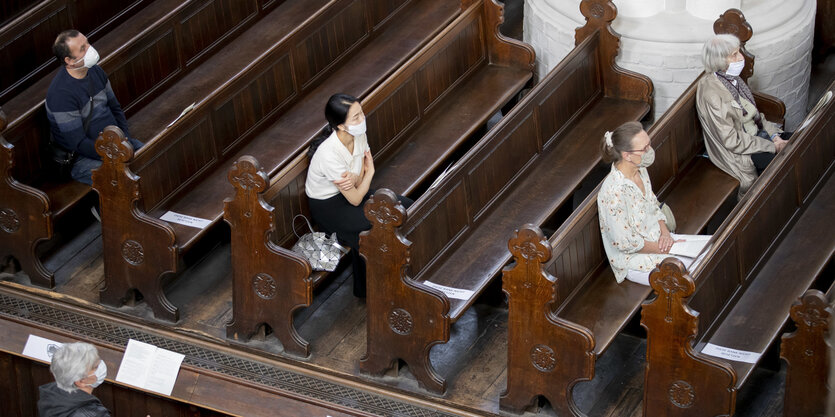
(450, 124)
(144, 55)
(404, 103)
(739, 297)
(802, 255)
(806, 352)
(447, 237)
(184, 168)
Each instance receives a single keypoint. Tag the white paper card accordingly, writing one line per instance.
(441, 176)
(183, 113)
(186, 220)
(149, 367)
(731, 354)
(457, 293)
(40, 348)
(692, 245)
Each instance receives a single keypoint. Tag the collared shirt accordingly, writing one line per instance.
(628, 217)
(330, 161)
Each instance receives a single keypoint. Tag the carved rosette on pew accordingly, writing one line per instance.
(619, 82)
(269, 282)
(404, 318)
(25, 216)
(140, 251)
(806, 353)
(687, 376)
(539, 343)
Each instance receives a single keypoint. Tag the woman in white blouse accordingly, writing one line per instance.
(339, 178)
(633, 227)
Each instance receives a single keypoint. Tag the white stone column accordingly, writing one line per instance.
(663, 39)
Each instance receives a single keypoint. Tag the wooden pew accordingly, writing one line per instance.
(806, 353)
(163, 43)
(739, 297)
(565, 307)
(13, 9)
(26, 42)
(450, 236)
(398, 110)
(272, 108)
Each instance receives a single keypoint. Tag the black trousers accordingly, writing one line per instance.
(338, 215)
(762, 159)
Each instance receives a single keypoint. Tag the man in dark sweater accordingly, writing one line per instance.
(80, 103)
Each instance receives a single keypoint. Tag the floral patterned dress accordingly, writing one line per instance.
(628, 217)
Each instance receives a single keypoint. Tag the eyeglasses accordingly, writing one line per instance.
(644, 149)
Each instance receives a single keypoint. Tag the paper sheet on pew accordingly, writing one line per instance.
(185, 220)
(149, 367)
(824, 100)
(40, 348)
(185, 111)
(440, 177)
(731, 354)
(692, 245)
(457, 293)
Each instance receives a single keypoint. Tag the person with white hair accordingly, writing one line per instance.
(738, 138)
(77, 369)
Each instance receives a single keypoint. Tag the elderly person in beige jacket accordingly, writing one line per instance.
(739, 140)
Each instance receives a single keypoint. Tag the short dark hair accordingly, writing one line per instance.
(60, 48)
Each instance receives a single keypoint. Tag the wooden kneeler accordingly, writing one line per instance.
(418, 319)
(669, 316)
(535, 356)
(258, 297)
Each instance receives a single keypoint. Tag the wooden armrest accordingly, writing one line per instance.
(772, 107)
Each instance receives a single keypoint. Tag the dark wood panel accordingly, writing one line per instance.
(10, 9)
(434, 231)
(391, 118)
(178, 164)
(31, 48)
(500, 163)
(212, 21)
(381, 10)
(318, 51)
(253, 104)
(138, 75)
(447, 67)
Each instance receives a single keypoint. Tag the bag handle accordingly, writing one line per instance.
(309, 227)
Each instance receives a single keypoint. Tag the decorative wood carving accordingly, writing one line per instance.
(404, 318)
(139, 251)
(25, 217)
(618, 82)
(733, 22)
(674, 368)
(504, 51)
(806, 353)
(546, 354)
(269, 282)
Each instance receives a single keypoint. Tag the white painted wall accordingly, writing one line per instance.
(663, 39)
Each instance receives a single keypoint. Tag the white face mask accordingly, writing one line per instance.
(91, 57)
(735, 68)
(647, 158)
(356, 130)
(101, 373)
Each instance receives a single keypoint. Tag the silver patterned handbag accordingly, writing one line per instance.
(321, 251)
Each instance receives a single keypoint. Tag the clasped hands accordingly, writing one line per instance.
(350, 180)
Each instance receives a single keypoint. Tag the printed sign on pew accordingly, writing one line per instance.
(143, 365)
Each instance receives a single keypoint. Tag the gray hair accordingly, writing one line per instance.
(716, 51)
(72, 362)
